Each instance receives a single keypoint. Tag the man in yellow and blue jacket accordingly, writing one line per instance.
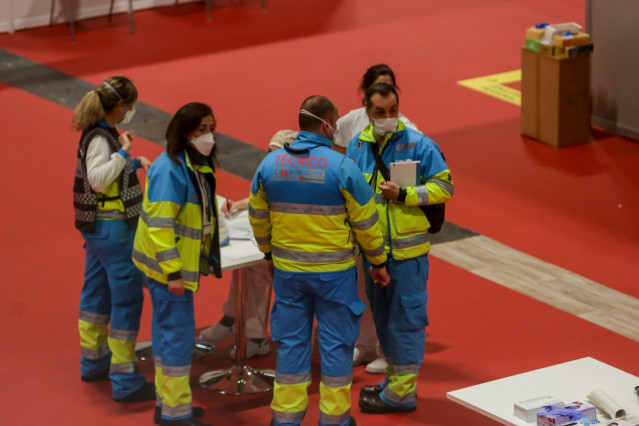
(308, 204)
(399, 309)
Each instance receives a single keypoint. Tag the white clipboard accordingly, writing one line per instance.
(404, 173)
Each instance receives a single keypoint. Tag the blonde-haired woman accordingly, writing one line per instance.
(107, 199)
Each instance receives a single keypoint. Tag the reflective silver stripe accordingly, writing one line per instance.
(182, 371)
(188, 232)
(169, 254)
(308, 209)
(312, 257)
(396, 399)
(126, 335)
(263, 240)
(422, 194)
(450, 188)
(146, 260)
(158, 222)
(405, 146)
(153, 264)
(413, 241)
(292, 379)
(366, 223)
(337, 382)
(379, 198)
(259, 213)
(334, 419)
(124, 368)
(98, 319)
(375, 252)
(407, 369)
(173, 412)
(96, 353)
(281, 416)
(110, 214)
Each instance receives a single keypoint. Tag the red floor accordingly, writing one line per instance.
(573, 207)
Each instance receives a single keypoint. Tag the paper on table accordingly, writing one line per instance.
(240, 249)
(605, 403)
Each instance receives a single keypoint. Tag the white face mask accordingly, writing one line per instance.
(334, 132)
(384, 126)
(128, 115)
(204, 143)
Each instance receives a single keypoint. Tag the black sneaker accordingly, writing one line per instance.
(195, 412)
(145, 393)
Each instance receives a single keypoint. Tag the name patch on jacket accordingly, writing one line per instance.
(299, 168)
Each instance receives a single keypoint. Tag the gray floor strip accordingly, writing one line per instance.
(235, 156)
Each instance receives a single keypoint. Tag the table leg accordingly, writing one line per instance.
(240, 379)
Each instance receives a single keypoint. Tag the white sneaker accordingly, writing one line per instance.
(253, 349)
(216, 332)
(362, 356)
(377, 367)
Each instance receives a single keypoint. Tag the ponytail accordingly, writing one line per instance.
(88, 111)
(100, 101)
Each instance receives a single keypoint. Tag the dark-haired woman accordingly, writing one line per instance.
(107, 198)
(177, 240)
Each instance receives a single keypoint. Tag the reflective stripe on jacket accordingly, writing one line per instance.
(169, 234)
(404, 224)
(307, 208)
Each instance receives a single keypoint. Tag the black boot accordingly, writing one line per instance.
(195, 412)
(370, 390)
(145, 393)
(375, 405)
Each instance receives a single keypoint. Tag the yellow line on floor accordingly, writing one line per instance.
(494, 85)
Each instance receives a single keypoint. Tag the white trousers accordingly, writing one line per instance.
(258, 286)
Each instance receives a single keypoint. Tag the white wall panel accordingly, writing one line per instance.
(22, 14)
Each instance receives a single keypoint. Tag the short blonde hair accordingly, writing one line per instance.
(281, 137)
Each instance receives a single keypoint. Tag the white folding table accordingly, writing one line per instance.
(240, 379)
(570, 381)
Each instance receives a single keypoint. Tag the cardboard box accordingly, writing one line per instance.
(535, 33)
(578, 39)
(527, 410)
(571, 52)
(555, 98)
(546, 48)
(551, 30)
(555, 416)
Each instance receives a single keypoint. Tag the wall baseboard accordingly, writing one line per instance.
(60, 16)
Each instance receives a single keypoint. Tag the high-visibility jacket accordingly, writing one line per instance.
(404, 224)
(308, 204)
(168, 243)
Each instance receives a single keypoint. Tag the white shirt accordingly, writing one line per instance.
(349, 125)
(102, 166)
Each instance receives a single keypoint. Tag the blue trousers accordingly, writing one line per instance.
(173, 334)
(112, 293)
(332, 298)
(400, 316)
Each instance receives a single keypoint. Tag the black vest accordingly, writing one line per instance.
(84, 197)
